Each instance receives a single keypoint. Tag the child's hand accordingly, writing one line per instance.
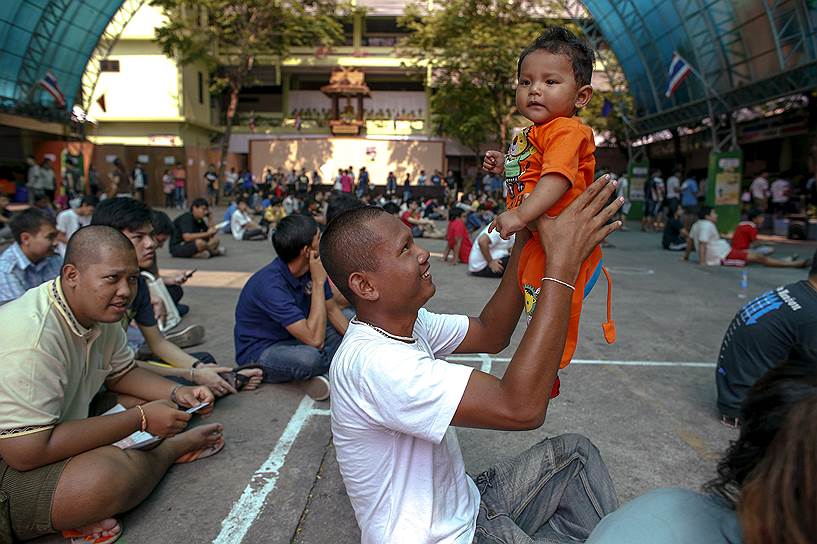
(494, 162)
(507, 223)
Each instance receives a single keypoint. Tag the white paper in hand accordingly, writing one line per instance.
(138, 439)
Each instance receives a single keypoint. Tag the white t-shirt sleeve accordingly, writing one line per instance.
(443, 332)
(412, 393)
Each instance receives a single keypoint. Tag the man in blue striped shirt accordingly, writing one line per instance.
(31, 260)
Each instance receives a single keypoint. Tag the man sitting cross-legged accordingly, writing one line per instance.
(394, 399)
(192, 237)
(286, 319)
(59, 344)
(133, 219)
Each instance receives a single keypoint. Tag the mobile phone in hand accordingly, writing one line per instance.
(197, 407)
(188, 275)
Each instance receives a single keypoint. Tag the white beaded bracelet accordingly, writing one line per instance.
(561, 282)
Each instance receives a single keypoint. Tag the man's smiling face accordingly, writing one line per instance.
(403, 274)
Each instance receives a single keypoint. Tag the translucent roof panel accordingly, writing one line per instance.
(40, 36)
(741, 52)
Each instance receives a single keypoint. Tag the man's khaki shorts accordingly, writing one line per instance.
(28, 496)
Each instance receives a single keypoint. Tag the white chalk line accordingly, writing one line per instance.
(485, 359)
(480, 357)
(247, 508)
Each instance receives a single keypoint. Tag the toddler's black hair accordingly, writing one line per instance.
(560, 41)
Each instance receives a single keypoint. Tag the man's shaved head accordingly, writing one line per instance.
(89, 243)
(349, 245)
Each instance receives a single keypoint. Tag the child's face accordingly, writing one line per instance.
(547, 88)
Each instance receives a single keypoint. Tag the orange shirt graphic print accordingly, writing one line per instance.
(516, 164)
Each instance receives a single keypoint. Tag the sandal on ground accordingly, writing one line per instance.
(202, 453)
(239, 381)
(74, 536)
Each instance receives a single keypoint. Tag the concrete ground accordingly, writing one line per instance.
(648, 401)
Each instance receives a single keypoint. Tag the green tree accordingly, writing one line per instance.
(229, 36)
(472, 47)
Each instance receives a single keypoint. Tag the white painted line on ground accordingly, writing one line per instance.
(247, 508)
(480, 358)
(486, 362)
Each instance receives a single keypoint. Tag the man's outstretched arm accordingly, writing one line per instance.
(491, 331)
(520, 399)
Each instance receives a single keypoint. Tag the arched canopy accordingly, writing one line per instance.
(41, 36)
(743, 53)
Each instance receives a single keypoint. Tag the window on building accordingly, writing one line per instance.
(201, 88)
(382, 31)
(108, 65)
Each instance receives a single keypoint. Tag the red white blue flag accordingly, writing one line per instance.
(49, 83)
(678, 72)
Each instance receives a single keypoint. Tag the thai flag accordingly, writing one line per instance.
(49, 83)
(678, 72)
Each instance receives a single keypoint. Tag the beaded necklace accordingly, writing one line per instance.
(404, 339)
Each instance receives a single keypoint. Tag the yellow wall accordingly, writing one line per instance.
(149, 86)
(143, 24)
(328, 154)
(191, 107)
(146, 87)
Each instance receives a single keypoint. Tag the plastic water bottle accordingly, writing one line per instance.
(744, 283)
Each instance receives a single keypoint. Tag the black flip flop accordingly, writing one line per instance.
(239, 381)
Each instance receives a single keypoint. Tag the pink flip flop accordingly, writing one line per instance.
(202, 453)
(73, 536)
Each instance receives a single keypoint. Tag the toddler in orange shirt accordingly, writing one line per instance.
(550, 163)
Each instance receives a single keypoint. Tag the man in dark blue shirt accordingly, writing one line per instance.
(286, 319)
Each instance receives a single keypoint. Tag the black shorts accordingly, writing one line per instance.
(185, 250)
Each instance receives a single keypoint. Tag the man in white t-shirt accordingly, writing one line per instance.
(760, 191)
(707, 241)
(71, 220)
(395, 400)
(490, 254)
(781, 192)
(674, 190)
(241, 224)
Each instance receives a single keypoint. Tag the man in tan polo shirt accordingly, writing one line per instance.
(60, 343)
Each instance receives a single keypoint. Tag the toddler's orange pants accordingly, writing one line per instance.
(532, 268)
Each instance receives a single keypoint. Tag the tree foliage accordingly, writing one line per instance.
(229, 36)
(472, 47)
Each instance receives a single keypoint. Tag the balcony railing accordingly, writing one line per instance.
(276, 123)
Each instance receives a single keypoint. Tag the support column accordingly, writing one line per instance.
(285, 95)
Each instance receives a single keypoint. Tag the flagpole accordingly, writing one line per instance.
(709, 90)
(711, 93)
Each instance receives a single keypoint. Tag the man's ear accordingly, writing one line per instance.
(362, 288)
(25, 237)
(583, 96)
(70, 276)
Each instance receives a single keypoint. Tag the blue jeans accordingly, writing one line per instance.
(556, 491)
(290, 360)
